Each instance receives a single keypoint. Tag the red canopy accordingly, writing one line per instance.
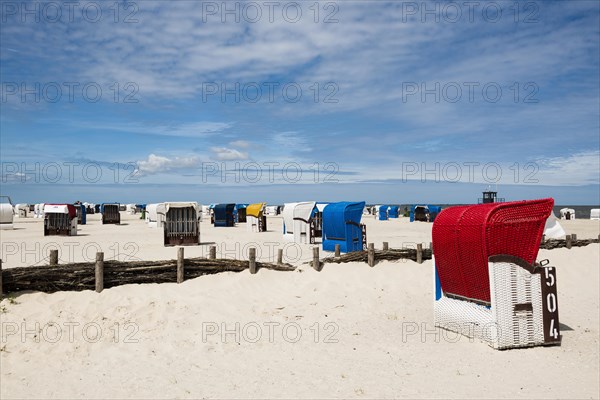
(70, 207)
(465, 236)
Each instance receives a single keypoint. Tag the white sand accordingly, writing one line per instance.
(363, 310)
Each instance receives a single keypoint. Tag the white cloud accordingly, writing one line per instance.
(572, 170)
(242, 144)
(15, 177)
(292, 141)
(159, 164)
(194, 129)
(227, 154)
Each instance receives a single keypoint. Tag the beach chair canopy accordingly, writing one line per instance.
(255, 210)
(393, 211)
(220, 209)
(107, 204)
(180, 204)
(465, 236)
(304, 211)
(301, 211)
(154, 209)
(61, 209)
(224, 214)
(341, 225)
(383, 212)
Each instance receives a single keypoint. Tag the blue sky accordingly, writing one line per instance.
(393, 102)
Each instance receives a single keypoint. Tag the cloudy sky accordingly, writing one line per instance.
(277, 101)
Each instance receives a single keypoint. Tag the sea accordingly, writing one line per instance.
(581, 212)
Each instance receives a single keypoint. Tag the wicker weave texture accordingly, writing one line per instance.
(515, 317)
(513, 286)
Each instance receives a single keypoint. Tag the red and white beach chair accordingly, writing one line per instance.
(487, 282)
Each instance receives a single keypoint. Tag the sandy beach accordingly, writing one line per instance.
(349, 331)
(339, 121)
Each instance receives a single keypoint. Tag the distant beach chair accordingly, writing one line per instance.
(81, 214)
(156, 214)
(241, 212)
(567, 213)
(303, 222)
(141, 208)
(298, 221)
(40, 210)
(89, 208)
(256, 220)
(419, 213)
(341, 225)
(110, 213)
(181, 226)
(424, 213)
(223, 215)
(21, 210)
(595, 214)
(487, 284)
(205, 211)
(7, 214)
(393, 212)
(60, 219)
(383, 213)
